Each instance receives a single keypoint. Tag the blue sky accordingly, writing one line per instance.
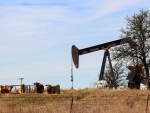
(36, 38)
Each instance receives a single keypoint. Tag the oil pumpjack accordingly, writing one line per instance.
(105, 46)
(134, 79)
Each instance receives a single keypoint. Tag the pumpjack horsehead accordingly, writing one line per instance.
(105, 46)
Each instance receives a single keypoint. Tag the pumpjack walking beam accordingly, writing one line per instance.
(76, 52)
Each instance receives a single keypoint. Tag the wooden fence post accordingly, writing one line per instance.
(147, 103)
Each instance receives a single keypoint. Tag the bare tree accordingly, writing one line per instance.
(137, 41)
(119, 73)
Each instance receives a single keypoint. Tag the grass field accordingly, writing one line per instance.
(84, 101)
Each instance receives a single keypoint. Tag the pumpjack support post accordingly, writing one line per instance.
(101, 77)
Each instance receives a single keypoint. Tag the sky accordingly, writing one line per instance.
(36, 37)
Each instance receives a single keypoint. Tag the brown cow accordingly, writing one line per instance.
(41, 89)
(5, 89)
(52, 89)
(38, 88)
(2, 89)
(8, 88)
(48, 88)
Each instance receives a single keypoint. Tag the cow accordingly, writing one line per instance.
(36, 85)
(8, 88)
(21, 88)
(52, 89)
(2, 89)
(48, 88)
(41, 88)
(5, 89)
(38, 88)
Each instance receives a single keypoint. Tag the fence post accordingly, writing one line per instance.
(147, 103)
(29, 89)
(15, 90)
(71, 104)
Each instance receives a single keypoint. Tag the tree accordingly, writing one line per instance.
(137, 41)
(119, 74)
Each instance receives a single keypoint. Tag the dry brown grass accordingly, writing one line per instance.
(85, 101)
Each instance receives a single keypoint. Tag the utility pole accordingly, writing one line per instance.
(21, 79)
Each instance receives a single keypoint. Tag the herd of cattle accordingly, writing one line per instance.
(36, 88)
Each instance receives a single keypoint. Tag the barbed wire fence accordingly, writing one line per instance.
(77, 104)
(73, 103)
